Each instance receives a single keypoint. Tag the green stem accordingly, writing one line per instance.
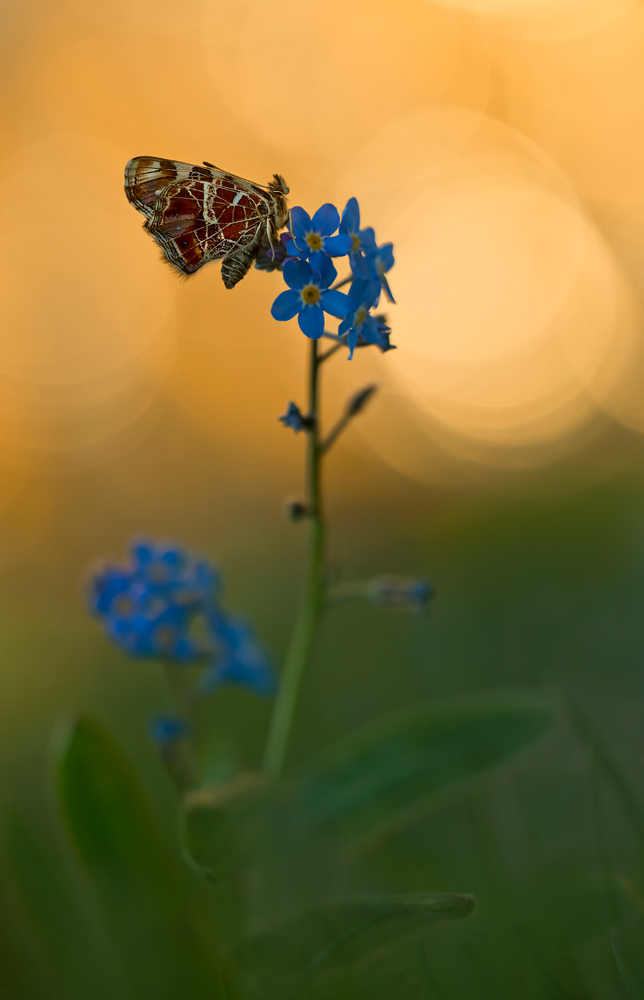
(179, 757)
(304, 633)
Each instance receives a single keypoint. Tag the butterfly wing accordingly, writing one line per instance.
(146, 177)
(196, 214)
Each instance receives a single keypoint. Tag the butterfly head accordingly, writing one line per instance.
(278, 185)
(279, 189)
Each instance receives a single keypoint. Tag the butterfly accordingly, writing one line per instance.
(198, 214)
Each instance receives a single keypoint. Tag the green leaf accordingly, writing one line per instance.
(332, 938)
(216, 823)
(111, 827)
(626, 945)
(105, 811)
(386, 772)
(62, 950)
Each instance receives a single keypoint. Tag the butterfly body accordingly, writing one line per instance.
(198, 214)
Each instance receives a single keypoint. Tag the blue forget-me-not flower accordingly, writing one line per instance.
(411, 594)
(379, 263)
(148, 606)
(304, 258)
(363, 241)
(240, 659)
(273, 258)
(168, 729)
(295, 419)
(359, 324)
(165, 604)
(312, 237)
(309, 296)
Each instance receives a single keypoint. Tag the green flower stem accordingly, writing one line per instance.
(335, 432)
(179, 757)
(332, 350)
(349, 590)
(303, 636)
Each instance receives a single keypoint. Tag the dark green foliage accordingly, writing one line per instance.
(627, 943)
(385, 774)
(325, 942)
(104, 808)
(541, 593)
(52, 931)
(146, 923)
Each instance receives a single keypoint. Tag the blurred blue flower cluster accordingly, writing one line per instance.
(165, 730)
(304, 257)
(165, 604)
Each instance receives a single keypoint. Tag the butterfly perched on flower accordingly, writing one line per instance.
(201, 213)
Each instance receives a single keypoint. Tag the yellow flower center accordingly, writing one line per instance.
(314, 242)
(158, 573)
(311, 294)
(356, 243)
(123, 605)
(360, 317)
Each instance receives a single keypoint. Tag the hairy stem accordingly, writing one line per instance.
(304, 633)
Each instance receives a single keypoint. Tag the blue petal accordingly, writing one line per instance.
(311, 321)
(353, 340)
(337, 246)
(297, 274)
(300, 222)
(293, 418)
(324, 268)
(293, 250)
(346, 324)
(372, 295)
(387, 289)
(350, 222)
(368, 241)
(286, 306)
(359, 265)
(386, 255)
(335, 303)
(142, 551)
(326, 220)
(372, 292)
(370, 330)
(357, 293)
(172, 556)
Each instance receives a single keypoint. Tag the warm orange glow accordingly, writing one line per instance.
(498, 143)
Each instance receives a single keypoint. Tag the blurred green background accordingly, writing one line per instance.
(538, 581)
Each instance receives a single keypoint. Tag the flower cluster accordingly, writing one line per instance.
(165, 604)
(304, 257)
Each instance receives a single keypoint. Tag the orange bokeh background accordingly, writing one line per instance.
(498, 143)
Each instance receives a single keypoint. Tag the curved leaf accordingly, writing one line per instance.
(331, 938)
(102, 803)
(113, 832)
(214, 831)
(383, 774)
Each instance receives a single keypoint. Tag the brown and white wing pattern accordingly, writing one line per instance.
(199, 214)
